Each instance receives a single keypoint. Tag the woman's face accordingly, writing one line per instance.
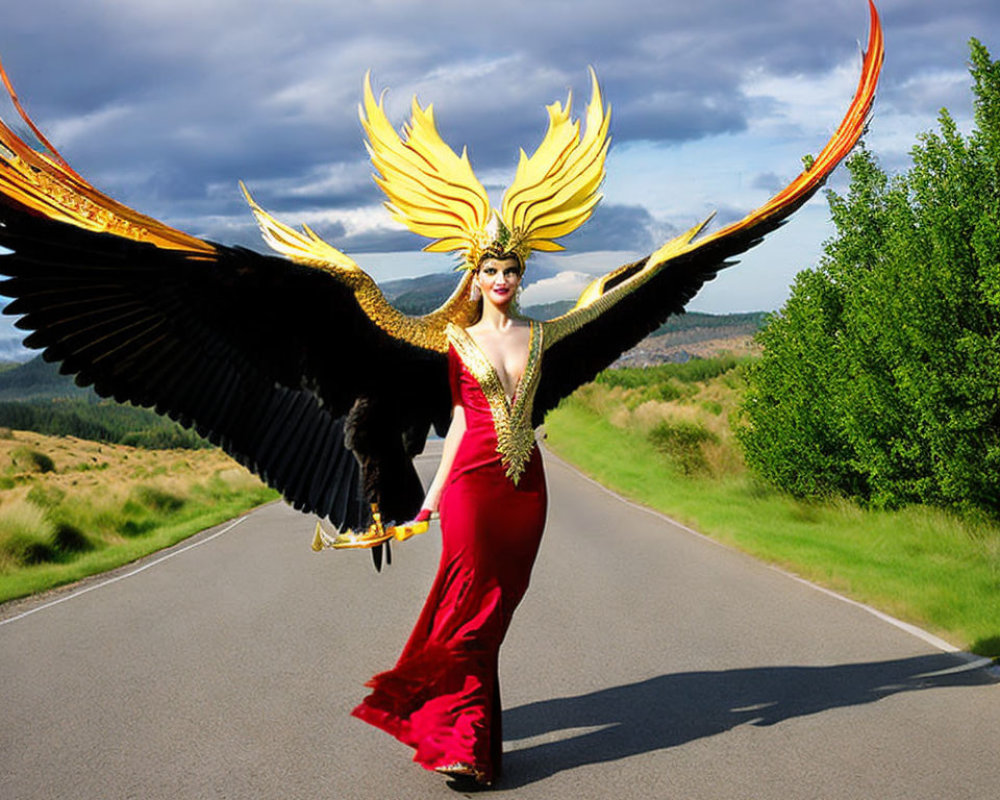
(498, 279)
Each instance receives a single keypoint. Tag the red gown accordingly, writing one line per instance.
(442, 697)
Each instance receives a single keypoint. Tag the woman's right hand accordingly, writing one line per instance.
(419, 524)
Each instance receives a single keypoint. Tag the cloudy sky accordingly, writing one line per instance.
(165, 104)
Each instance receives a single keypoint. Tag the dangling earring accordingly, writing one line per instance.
(517, 296)
(475, 295)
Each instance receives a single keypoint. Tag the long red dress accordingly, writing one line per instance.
(442, 697)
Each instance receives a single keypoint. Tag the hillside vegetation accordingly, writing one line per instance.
(871, 419)
(71, 507)
(38, 379)
(35, 397)
(667, 437)
(105, 421)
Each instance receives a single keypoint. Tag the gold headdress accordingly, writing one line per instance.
(435, 193)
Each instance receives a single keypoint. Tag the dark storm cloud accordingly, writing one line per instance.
(161, 103)
(381, 240)
(619, 227)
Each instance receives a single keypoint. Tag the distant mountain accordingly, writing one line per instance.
(545, 311)
(724, 324)
(40, 380)
(421, 295)
(695, 335)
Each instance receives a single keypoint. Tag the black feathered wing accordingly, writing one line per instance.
(274, 362)
(297, 372)
(621, 308)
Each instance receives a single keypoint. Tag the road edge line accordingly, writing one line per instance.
(108, 581)
(973, 661)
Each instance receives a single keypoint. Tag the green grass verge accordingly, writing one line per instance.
(919, 564)
(159, 531)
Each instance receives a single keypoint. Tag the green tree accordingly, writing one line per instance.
(881, 375)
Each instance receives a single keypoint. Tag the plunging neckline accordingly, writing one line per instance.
(512, 399)
(511, 415)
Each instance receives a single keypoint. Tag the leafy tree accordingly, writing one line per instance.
(881, 375)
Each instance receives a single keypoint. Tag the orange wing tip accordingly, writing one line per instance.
(47, 185)
(28, 121)
(844, 139)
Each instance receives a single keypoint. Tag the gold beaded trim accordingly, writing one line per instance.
(512, 423)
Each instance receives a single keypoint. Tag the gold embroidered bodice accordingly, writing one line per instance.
(511, 417)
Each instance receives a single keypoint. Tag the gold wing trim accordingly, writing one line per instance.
(607, 290)
(303, 248)
(512, 424)
(47, 185)
(310, 250)
(597, 298)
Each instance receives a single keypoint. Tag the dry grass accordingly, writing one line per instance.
(706, 406)
(81, 464)
(921, 564)
(64, 499)
(25, 534)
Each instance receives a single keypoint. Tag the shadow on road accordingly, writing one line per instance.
(670, 710)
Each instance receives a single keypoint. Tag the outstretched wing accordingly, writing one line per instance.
(281, 364)
(621, 308)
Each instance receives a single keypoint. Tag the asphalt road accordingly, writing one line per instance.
(644, 662)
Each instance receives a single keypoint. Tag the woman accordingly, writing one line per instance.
(443, 697)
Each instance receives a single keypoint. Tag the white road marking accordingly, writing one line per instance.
(121, 577)
(913, 630)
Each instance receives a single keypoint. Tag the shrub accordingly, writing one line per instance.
(25, 549)
(46, 496)
(157, 499)
(137, 527)
(24, 459)
(25, 534)
(70, 539)
(682, 442)
(164, 439)
(694, 371)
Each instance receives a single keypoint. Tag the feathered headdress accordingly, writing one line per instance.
(435, 193)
